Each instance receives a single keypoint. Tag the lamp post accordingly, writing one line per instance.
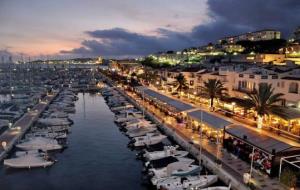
(200, 137)
(233, 106)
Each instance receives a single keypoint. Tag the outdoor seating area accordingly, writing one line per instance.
(212, 125)
(265, 151)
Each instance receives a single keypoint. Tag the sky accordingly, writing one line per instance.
(131, 28)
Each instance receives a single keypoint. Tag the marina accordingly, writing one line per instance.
(97, 155)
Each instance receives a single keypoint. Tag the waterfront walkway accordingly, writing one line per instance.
(231, 165)
(19, 128)
(234, 166)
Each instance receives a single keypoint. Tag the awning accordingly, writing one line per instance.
(209, 119)
(287, 113)
(239, 101)
(258, 140)
(176, 104)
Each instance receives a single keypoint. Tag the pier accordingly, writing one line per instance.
(12, 135)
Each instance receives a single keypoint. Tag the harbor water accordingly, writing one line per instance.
(97, 156)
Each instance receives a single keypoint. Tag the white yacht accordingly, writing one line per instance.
(148, 139)
(140, 131)
(47, 134)
(39, 143)
(118, 108)
(128, 117)
(53, 129)
(168, 151)
(28, 160)
(54, 121)
(188, 182)
(217, 188)
(180, 169)
(140, 123)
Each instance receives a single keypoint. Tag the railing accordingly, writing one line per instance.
(284, 133)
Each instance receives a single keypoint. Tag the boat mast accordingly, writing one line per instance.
(200, 137)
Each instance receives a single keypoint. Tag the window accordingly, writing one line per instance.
(191, 82)
(241, 75)
(282, 84)
(278, 84)
(293, 87)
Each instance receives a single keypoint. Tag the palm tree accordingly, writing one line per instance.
(264, 101)
(181, 83)
(148, 76)
(213, 88)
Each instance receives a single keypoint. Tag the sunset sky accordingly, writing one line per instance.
(133, 27)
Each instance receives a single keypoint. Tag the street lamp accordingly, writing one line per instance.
(233, 105)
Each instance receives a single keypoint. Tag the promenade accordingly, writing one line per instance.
(231, 169)
(12, 135)
(211, 151)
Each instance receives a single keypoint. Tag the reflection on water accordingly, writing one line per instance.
(97, 156)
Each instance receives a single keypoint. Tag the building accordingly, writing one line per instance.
(231, 48)
(267, 34)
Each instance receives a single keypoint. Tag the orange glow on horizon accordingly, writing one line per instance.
(47, 47)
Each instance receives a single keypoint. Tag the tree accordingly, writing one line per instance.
(181, 83)
(148, 76)
(264, 101)
(214, 88)
(133, 79)
(262, 46)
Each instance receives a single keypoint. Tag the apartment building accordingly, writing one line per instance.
(267, 34)
(240, 80)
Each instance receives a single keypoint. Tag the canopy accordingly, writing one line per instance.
(287, 113)
(209, 119)
(258, 140)
(178, 105)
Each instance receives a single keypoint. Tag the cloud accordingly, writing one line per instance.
(257, 14)
(121, 42)
(228, 17)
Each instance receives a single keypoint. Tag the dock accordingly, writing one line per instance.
(12, 135)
